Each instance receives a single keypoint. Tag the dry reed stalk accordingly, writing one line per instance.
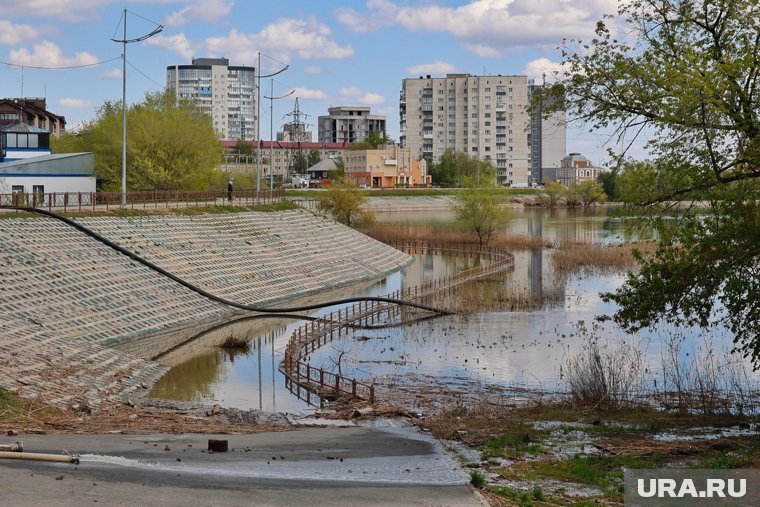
(443, 236)
(571, 257)
(234, 342)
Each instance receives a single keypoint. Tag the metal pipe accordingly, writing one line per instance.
(35, 456)
(15, 447)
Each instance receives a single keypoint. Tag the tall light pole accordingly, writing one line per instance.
(124, 43)
(271, 133)
(258, 120)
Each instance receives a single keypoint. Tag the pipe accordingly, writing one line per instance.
(35, 456)
(206, 294)
(16, 447)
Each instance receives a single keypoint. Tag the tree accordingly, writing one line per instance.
(478, 209)
(300, 162)
(608, 181)
(454, 167)
(314, 157)
(553, 192)
(687, 75)
(590, 192)
(337, 174)
(243, 147)
(169, 145)
(345, 203)
(373, 141)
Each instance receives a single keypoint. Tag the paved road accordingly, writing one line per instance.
(311, 467)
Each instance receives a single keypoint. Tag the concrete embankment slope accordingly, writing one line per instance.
(79, 321)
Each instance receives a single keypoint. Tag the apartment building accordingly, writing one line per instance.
(576, 168)
(389, 166)
(349, 124)
(295, 132)
(32, 112)
(547, 139)
(483, 116)
(226, 93)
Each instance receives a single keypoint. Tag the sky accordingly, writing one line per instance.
(339, 52)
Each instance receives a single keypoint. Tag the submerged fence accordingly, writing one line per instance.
(149, 199)
(373, 314)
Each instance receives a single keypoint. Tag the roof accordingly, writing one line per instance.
(30, 105)
(62, 164)
(576, 156)
(323, 165)
(22, 127)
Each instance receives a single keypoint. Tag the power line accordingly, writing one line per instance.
(59, 68)
(146, 76)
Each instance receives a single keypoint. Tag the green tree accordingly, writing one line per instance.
(373, 141)
(169, 145)
(345, 203)
(339, 172)
(609, 182)
(687, 75)
(454, 167)
(314, 157)
(553, 192)
(299, 163)
(478, 208)
(590, 192)
(243, 147)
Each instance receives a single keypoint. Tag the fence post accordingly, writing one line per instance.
(372, 393)
(353, 388)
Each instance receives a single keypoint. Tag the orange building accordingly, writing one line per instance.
(389, 166)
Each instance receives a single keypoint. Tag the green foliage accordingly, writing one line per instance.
(300, 162)
(609, 183)
(553, 192)
(521, 439)
(455, 167)
(169, 146)
(687, 75)
(477, 479)
(314, 157)
(372, 142)
(345, 203)
(339, 172)
(479, 209)
(243, 147)
(590, 192)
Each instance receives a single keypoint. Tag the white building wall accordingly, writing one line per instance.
(50, 183)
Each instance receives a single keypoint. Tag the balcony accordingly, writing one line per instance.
(501, 107)
(427, 134)
(427, 107)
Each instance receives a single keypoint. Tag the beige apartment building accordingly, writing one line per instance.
(483, 116)
(389, 166)
(283, 154)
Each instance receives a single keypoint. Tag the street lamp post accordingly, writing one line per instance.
(271, 132)
(258, 119)
(124, 43)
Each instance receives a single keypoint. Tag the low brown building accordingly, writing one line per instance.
(33, 112)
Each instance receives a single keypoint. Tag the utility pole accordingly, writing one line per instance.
(272, 98)
(258, 119)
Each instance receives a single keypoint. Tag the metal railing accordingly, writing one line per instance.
(149, 199)
(313, 335)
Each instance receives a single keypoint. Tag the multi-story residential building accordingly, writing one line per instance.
(227, 93)
(547, 139)
(349, 124)
(32, 112)
(388, 166)
(576, 168)
(483, 116)
(295, 132)
(283, 154)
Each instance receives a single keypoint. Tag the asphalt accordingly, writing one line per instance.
(356, 466)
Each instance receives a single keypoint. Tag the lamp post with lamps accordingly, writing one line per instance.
(271, 133)
(258, 119)
(124, 42)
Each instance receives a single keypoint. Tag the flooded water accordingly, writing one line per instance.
(504, 348)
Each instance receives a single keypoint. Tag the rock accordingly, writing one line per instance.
(11, 433)
(217, 445)
(216, 409)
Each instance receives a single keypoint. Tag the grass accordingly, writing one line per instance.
(477, 479)
(519, 440)
(21, 412)
(572, 256)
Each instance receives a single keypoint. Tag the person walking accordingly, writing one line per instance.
(229, 191)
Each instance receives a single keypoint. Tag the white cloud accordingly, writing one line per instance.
(486, 27)
(437, 67)
(359, 96)
(310, 94)
(112, 74)
(535, 69)
(48, 54)
(283, 39)
(11, 34)
(74, 103)
(67, 10)
(206, 11)
(313, 69)
(482, 50)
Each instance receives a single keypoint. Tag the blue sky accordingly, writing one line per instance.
(340, 52)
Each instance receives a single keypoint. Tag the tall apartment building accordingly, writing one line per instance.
(547, 139)
(483, 116)
(227, 93)
(295, 132)
(349, 124)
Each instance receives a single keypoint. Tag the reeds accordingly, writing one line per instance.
(236, 343)
(572, 257)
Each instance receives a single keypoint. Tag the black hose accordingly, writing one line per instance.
(204, 293)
